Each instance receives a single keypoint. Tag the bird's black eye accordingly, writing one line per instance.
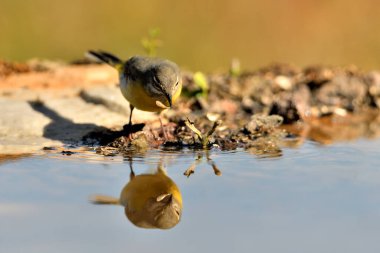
(176, 84)
(156, 83)
(155, 79)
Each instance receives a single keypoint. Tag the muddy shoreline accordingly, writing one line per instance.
(259, 111)
(263, 110)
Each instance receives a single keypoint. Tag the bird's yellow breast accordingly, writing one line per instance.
(177, 93)
(136, 95)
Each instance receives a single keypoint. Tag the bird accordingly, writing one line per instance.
(149, 200)
(148, 83)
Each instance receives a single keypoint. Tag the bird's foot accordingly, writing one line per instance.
(132, 128)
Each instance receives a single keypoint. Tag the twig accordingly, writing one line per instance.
(203, 138)
(190, 125)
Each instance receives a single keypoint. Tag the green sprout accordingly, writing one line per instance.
(152, 42)
(200, 80)
(235, 69)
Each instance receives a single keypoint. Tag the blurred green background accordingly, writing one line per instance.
(198, 34)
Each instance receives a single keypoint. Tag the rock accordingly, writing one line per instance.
(315, 76)
(21, 128)
(261, 123)
(373, 79)
(348, 92)
(283, 82)
(292, 106)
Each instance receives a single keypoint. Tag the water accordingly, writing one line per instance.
(312, 199)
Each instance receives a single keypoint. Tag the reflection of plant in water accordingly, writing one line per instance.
(198, 160)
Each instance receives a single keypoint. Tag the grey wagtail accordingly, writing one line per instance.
(149, 200)
(149, 84)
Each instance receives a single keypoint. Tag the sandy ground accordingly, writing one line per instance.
(76, 100)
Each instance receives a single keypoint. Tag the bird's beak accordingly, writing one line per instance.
(169, 98)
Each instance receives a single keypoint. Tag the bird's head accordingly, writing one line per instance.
(166, 82)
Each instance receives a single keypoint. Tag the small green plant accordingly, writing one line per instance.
(152, 42)
(201, 82)
(235, 69)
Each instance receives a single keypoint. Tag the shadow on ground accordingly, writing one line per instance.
(68, 132)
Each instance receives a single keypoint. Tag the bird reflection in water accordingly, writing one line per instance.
(150, 200)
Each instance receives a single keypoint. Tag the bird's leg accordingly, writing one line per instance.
(131, 107)
(128, 128)
(132, 173)
(163, 130)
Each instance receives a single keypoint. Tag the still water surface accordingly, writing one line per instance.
(312, 199)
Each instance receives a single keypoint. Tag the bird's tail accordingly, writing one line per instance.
(104, 200)
(105, 57)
